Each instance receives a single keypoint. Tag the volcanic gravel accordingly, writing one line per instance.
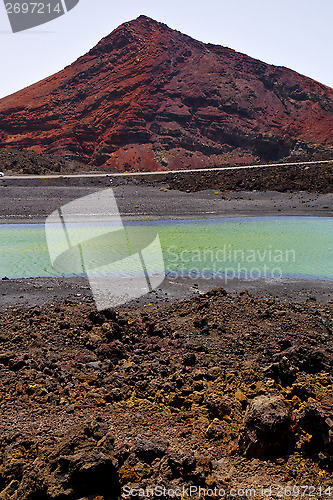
(220, 391)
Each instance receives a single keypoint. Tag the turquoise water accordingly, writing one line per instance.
(250, 247)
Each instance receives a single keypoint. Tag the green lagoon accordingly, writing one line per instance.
(250, 247)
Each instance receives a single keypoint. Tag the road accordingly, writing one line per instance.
(164, 172)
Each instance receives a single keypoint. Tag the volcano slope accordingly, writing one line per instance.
(147, 97)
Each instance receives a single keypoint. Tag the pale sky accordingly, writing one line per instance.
(297, 34)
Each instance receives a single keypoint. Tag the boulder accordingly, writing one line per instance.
(317, 426)
(148, 450)
(267, 430)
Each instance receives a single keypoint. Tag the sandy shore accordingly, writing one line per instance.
(32, 201)
(36, 292)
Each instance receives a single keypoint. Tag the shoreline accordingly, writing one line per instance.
(157, 202)
(28, 293)
(136, 220)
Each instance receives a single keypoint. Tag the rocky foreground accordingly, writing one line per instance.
(222, 392)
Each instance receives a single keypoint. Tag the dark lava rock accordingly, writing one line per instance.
(282, 372)
(308, 359)
(96, 318)
(189, 359)
(217, 406)
(267, 428)
(16, 364)
(149, 450)
(77, 467)
(318, 425)
(189, 467)
(200, 322)
(5, 357)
